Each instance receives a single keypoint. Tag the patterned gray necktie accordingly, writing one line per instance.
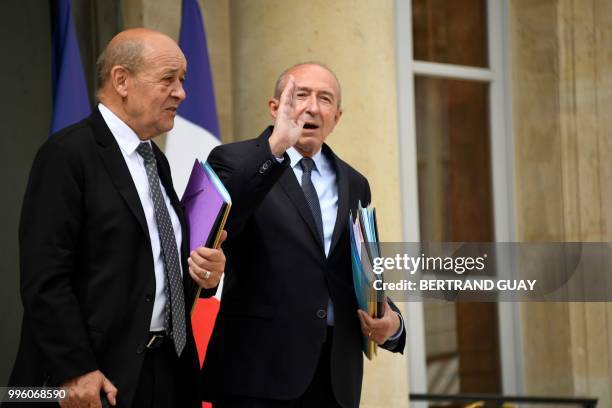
(174, 313)
(311, 194)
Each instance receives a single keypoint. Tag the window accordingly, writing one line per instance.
(455, 162)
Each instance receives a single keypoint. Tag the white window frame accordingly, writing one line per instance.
(498, 76)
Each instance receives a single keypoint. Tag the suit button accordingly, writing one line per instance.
(140, 349)
(321, 313)
(148, 298)
(265, 166)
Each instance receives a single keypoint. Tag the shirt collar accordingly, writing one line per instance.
(295, 158)
(126, 138)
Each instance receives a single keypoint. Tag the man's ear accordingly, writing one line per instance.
(273, 105)
(337, 116)
(119, 79)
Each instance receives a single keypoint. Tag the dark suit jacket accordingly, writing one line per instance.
(272, 324)
(87, 275)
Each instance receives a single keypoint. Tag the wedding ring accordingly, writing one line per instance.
(207, 275)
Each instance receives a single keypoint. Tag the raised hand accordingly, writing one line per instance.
(288, 122)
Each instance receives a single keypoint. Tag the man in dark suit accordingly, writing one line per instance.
(288, 333)
(106, 281)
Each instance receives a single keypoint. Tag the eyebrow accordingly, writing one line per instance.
(305, 88)
(173, 71)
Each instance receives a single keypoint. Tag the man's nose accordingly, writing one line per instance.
(313, 105)
(178, 91)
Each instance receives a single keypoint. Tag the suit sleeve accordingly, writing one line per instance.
(367, 194)
(49, 233)
(396, 345)
(248, 171)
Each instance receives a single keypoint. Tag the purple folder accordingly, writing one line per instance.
(207, 204)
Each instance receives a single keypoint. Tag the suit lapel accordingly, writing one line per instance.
(343, 198)
(122, 179)
(115, 165)
(295, 193)
(292, 188)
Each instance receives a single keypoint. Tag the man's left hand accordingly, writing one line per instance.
(379, 330)
(206, 265)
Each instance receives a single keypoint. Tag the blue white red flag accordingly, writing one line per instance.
(196, 127)
(195, 133)
(70, 98)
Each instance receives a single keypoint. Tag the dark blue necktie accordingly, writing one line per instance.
(310, 194)
(312, 199)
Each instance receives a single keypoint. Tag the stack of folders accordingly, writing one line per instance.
(364, 248)
(207, 204)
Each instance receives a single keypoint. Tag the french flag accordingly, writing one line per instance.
(70, 98)
(195, 133)
(196, 128)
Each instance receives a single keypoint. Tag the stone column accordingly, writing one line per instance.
(562, 88)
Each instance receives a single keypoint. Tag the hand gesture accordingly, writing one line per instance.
(289, 121)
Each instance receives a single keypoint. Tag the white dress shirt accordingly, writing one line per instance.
(128, 142)
(324, 181)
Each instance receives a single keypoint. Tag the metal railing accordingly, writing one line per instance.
(498, 401)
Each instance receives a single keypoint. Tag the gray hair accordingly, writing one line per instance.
(127, 53)
(280, 81)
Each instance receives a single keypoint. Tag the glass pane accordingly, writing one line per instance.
(455, 204)
(453, 153)
(450, 31)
